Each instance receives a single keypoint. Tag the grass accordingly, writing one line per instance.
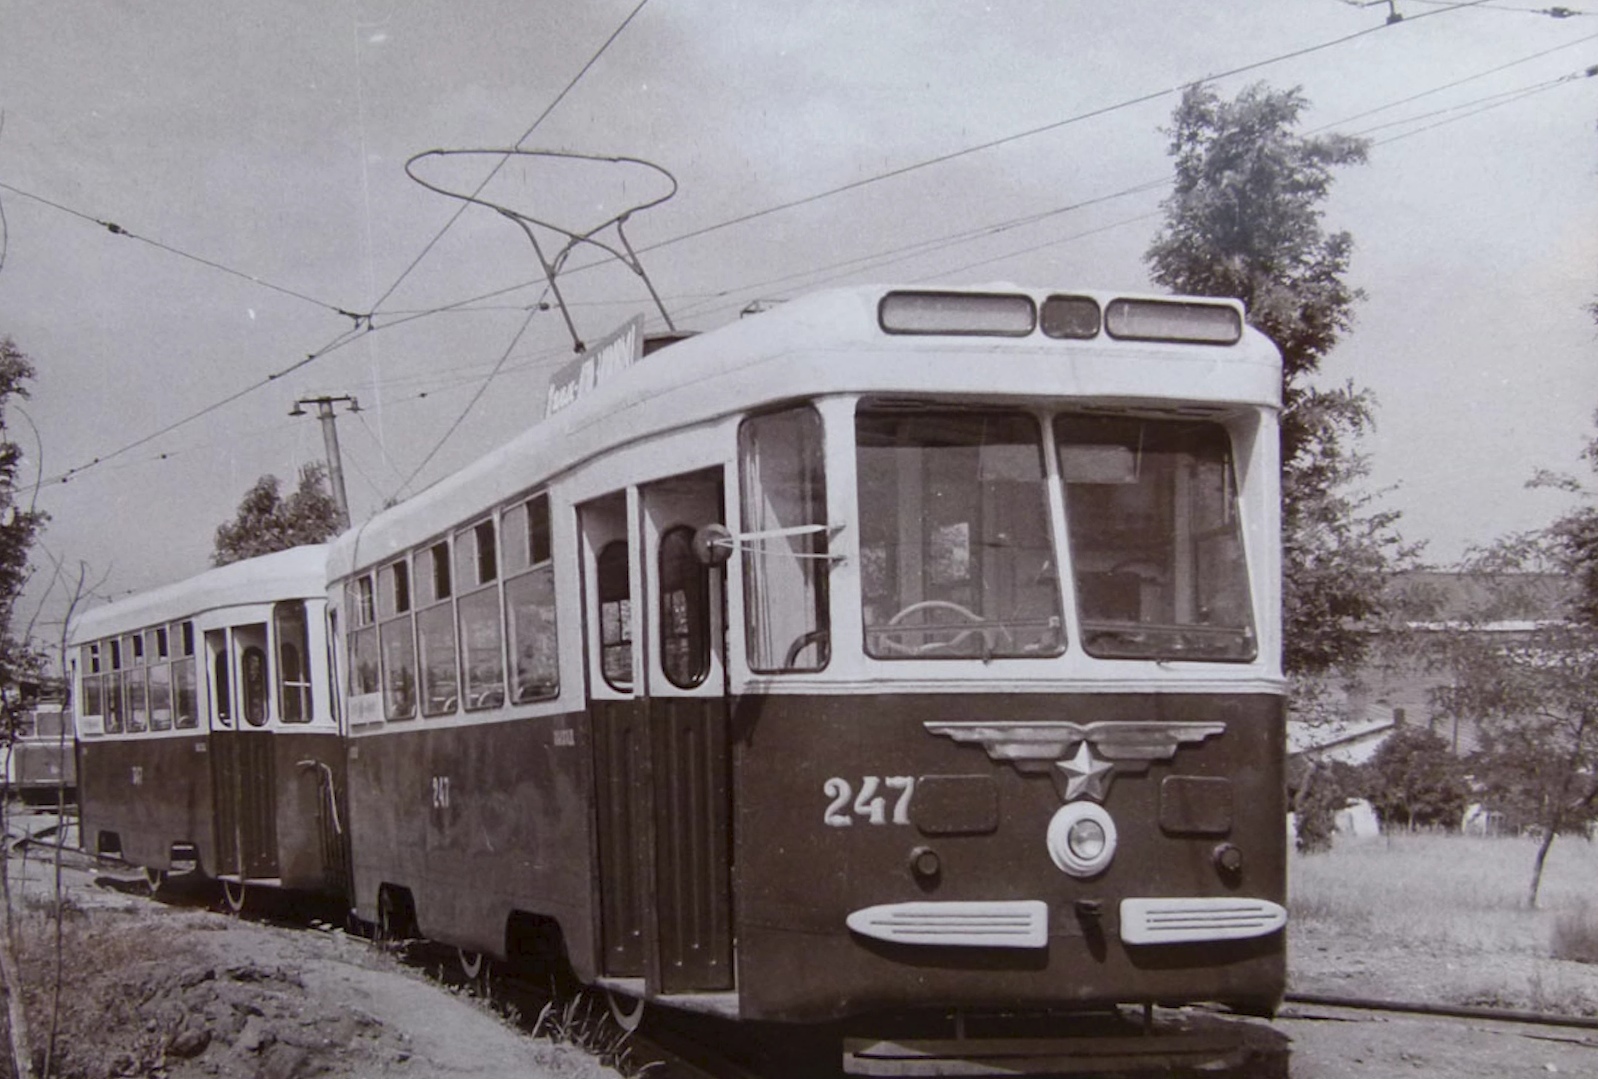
(1444, 918)
(1449, 892)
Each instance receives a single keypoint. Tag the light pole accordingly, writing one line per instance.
(335, 463)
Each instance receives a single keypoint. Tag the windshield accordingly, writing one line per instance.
(955, 555)
(1156, 540)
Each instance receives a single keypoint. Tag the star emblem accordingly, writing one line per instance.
(1086, 775)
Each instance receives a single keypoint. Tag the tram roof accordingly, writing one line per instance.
(297, 573)
(825, 343)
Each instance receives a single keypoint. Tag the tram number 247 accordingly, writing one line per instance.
(871, 804)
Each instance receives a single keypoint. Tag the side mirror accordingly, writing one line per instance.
(713, 544)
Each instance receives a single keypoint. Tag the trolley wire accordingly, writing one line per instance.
(363, 322)
(461, 418)
(462, 208)
(117, 230)
(368, 322)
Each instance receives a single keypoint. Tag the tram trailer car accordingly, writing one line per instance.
(208, 740)
(889, 649)
(42, 764)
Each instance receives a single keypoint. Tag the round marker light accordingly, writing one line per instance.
(1086, 839)
(1081, 839)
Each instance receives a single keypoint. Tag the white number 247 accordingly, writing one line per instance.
(869, 805)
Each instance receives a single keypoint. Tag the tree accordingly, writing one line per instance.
(267, 522)
(1244, 220)
(1415, 781)
(1318, 790)
(1524, 666)
(19, 525)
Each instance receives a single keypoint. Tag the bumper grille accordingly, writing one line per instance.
(1185, 920)
(999, 924)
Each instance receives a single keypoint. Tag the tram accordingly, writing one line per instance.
(41, 761)
(207, 737)
(891, 648)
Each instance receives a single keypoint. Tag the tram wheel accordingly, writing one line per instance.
(154, 879)
(472, 963)
(234, 895)
(627, 1011)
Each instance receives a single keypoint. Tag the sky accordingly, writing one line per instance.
(253, 161)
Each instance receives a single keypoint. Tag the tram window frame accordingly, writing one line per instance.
(612, 565)
(136, 649)
(480, 620)
(93, 695)
(185, 693)
(185, 678)
(135, 700)
(91, 657)
(435, 629)
(159, 694)
(956, 544)
(793, 442)
(111, 691)
(532, 635)
(365, 675)
(163, 642)
(291, 632)
(396, 641)
(255, 682)
(684, 605)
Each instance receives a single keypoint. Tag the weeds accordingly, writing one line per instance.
(1575, 935)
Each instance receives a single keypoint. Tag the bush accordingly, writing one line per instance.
(1317, 790)
(1575, 936)
(1415, 781)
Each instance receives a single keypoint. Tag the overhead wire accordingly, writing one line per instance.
(369, 323)
(478, 396)
(362, 322)
(118, 230)
(462, 208)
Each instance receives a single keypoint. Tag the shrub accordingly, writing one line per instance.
(1415, 781)
(1575, 936)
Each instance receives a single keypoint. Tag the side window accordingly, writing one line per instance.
(93, 698)
(530, 601)
(481, 638)
(398, 641)
(293, 675)
(222, 686)
(252, 683)
(160, 697)
(615, 616)
(684, 610)
(435, 632)
(136, 713)
(361, 603)
(783, 486)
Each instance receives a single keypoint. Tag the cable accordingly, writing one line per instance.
(461, 209)
(1551, 12)
(526, 322)
(1055, 125)
(1457, 82)
(369, 323)
(117, 230)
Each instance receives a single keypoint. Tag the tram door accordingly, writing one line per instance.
(242, 765)
(655, 616)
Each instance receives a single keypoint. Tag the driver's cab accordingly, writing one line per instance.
(876, 531)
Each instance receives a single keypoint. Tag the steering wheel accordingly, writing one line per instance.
(931, 646)
(818, 637)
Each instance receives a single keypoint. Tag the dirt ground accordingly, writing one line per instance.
(178, 991)
(156, 989)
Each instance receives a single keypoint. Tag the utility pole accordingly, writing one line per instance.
(335, 463)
